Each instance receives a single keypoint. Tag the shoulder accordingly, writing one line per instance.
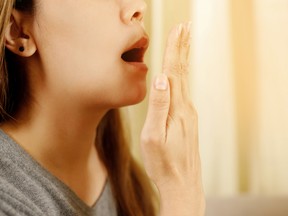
(13, 178)
(13, 202)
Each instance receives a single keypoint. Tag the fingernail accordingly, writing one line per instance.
(161, 82)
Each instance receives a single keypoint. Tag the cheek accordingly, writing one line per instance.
(81, 40)
(116, 88)
(108, 86)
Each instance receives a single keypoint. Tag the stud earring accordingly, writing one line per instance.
(21, 49)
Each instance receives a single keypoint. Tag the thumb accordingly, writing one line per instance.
(158, 108)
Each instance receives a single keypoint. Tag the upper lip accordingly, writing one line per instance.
(140, 47)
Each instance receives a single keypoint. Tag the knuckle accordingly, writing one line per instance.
(167, 66)
(192, 111)
(180, 67)
(190, 106)
(182, 116)
(150, 138)
(187, 111)
(160, 103)
(177, 67)
(178, 44)
(183, 44)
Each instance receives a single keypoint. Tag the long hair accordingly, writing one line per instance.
(131, 187)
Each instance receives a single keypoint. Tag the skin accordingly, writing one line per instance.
(170, 134)
(75, 70)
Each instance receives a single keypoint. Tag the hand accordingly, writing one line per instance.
(169, 139)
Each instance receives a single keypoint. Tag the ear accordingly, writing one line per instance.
(18, 38)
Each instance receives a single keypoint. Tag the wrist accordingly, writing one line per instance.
(180, 199)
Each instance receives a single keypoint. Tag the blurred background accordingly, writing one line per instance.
(239, 85)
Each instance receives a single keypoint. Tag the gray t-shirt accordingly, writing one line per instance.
(26, 188)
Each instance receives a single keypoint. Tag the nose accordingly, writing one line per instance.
(133, 10)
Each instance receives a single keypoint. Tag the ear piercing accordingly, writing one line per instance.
(21, 49)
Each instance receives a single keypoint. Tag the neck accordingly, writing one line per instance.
(62, 140)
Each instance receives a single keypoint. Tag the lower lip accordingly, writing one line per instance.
(141, 66)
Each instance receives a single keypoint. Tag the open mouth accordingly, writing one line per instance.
(134, 55)
(136, 52)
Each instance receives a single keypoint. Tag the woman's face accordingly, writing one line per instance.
(80, 50)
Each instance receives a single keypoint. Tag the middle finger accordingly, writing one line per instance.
(176, 64)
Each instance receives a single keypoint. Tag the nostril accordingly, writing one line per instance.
(137, 16)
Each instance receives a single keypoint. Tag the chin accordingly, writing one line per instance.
(133, 98)
(139, 98)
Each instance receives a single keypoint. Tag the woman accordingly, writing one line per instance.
(66, 67)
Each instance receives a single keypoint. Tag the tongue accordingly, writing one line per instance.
(133, 55)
